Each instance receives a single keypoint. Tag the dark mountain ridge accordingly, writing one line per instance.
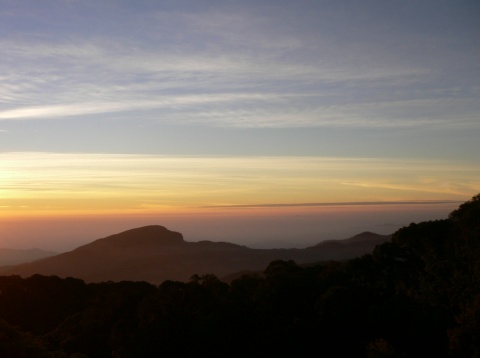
(10, 257)
(362, 238)
(155, 254)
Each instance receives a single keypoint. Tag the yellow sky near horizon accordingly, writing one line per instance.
(45, 184)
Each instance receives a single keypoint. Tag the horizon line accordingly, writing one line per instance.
(350, 203)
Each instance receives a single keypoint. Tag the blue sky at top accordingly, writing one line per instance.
(317, 78)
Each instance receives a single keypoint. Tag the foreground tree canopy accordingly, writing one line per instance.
(416, 296)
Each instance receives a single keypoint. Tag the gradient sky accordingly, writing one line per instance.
(155, 112)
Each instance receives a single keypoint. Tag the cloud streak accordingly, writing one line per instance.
(353, 203)
(83, 78)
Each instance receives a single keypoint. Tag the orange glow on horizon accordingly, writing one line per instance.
(300, 226)
(48, 185)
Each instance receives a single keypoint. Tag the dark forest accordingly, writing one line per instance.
(415, 296)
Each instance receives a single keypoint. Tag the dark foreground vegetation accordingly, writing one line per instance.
(416, 296)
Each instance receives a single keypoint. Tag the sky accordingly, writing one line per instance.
(257, 122)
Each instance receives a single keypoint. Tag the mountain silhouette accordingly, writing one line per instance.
(10, 257)
(155, 254)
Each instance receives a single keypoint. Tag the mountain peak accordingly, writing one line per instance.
(150, 230)
(152, 235)
(367, 236)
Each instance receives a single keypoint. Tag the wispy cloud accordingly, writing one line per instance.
(84, 78)
(234, 66)
(353, 203)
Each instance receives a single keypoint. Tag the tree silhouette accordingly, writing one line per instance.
(416, 296)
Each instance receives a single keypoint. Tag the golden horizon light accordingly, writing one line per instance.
(40, 184)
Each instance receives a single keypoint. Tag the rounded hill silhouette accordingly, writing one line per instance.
(153, 236)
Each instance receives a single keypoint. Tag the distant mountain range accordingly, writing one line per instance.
(9, 257)
(155, 254)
